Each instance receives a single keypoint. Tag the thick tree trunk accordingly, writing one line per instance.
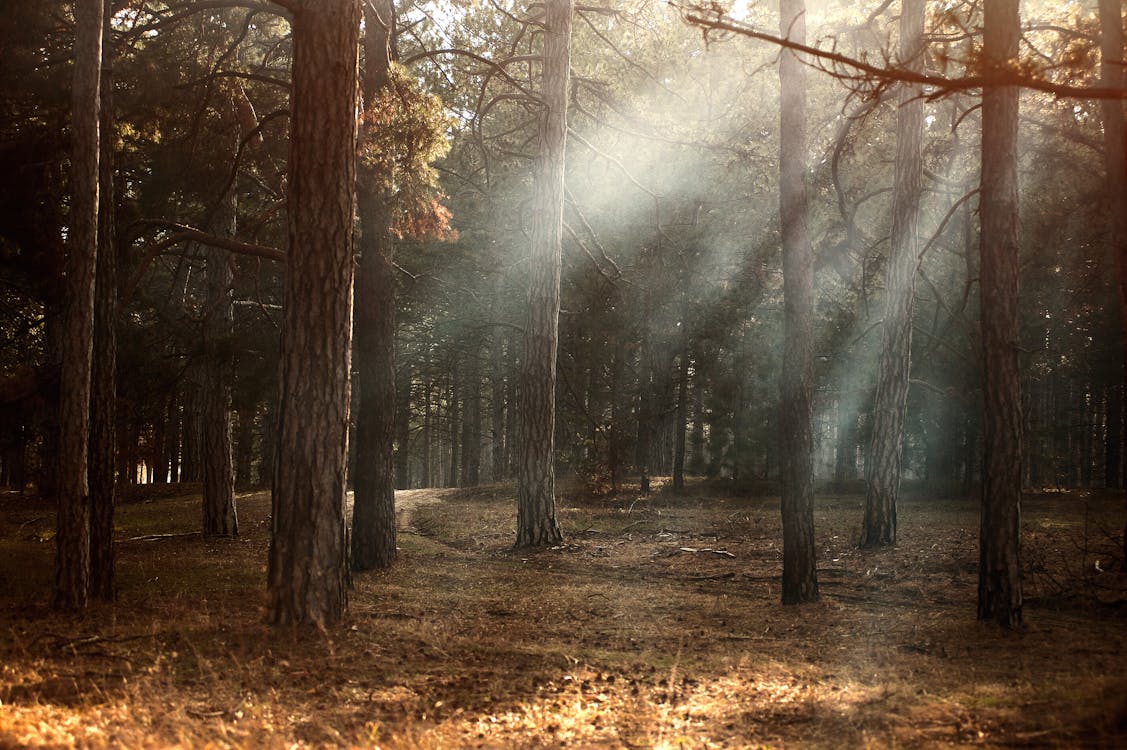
(373, 519)
(891, 400)
(536, 475)
(219, 515)
(103, 376)
(800, 580)
(999, 582)
(308, 569)
(72, 564)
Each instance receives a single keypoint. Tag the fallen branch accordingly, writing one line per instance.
(707, 550)
(155, 537)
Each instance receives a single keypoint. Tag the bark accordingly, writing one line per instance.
(800, 581)
(219, 514)
(373, 519)
(890, 405)
(72, 564)
(1114, 73)
(536, 477)
(308, 570)
(999, 582)
(103, 376)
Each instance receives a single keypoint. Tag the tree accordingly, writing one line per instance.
(536, 479)
(373, 518)
(219, 514)
(999, 577)
(72, 565)
(103, 374)
(800, 579)
(891, 400)
(307, 572)
(1113, 75)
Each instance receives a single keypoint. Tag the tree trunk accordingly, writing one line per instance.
(244, 448)
(308, 570)
(219, 515)
(497, 381)
(402, 450)
(453, 418)
(191, 426)
(373, 519)
(891, 400)
(428, 422)
(696, 441)
(800, 580)
(1113, 73)
(643, 450)
(72, 564)
(682, 426)
(999, 581)
(103, 376)
(536, 475)
(471, 419)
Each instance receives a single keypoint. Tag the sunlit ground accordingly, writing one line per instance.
(640, 632)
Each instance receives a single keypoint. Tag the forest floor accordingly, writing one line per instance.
(657, 624)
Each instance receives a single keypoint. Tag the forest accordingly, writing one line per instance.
(641, 373)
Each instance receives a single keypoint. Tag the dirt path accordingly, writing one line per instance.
(406, 503)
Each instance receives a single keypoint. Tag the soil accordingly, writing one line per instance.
(657, 624)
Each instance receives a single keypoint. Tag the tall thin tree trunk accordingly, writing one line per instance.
(471, 420)
(800, 580)
(403, 429)
(453, 416)
(497, 381)
(682, 426)
(103, 376)
(1113, 73)
(428, 423)
(373, 519)
(244, 448)
(219, 517)
(890, 404)
(72, 564)
(536, 475)
(999, 581)
(308, 570)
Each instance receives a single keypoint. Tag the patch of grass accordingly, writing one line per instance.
(636, 632)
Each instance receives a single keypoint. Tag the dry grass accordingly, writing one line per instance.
(617, 639)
